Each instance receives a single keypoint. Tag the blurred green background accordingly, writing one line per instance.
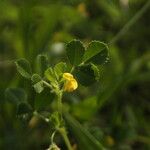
(117, 109)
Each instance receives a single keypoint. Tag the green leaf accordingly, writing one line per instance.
(23, 108)
(97, 53)
(39, 87)
(15, 95)
(36, 78)
(43, 100)
(24, 68)
(41, 64)
(49, 74)
(86, 75)
(60, 68)
(75, 51)
(96, 71)
(84, 138)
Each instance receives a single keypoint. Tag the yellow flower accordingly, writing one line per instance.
(71, 83)
(68, 76)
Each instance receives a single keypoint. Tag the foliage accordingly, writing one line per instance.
(112, 99)
(57, 79)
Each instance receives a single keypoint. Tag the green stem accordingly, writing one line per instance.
(65, 137)
(59, 102)
(62, 130)
(47, 84)
(35, 113)
(52, 137)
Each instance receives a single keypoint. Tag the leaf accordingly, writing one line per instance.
(39, 87)
(84, 138)
(42, 64)
(23, 108)
(24, 68)
(43, 100)
(86, 74)
(15, 95)
(97, 53)
(49, 74)
(36, 78)
(75, 51)
(60, 68)
(96, 71)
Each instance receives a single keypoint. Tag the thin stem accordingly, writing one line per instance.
(65, 137)
(52, 137)
(35, 113)
(59, 101)
(47, 84)
(62, 130)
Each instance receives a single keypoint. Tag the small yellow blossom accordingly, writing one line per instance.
(70, 83)
(68, 76)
